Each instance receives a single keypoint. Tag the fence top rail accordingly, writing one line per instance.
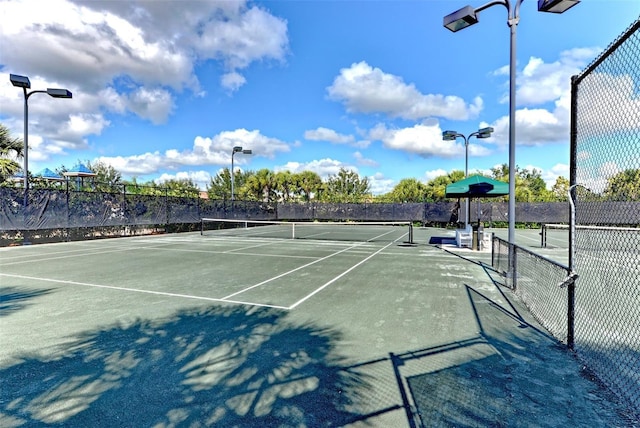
(607, 52)
(531, 253)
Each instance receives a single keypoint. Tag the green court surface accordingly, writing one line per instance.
(215, 330)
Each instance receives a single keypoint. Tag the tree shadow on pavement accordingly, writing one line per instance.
(511, 374)
(224, 366)
(14, 299)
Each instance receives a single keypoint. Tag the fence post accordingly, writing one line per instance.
(513, 266)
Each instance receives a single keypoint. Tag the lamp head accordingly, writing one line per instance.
(449, 135)
(485, 132)
(247, 151)
(20, 81)
(237, 149)
(59, 93)
(556, 6)
(460, 19)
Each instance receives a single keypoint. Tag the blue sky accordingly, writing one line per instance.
(165, 89)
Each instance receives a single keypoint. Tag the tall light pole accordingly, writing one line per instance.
(467, 16)
(236, 149)
(24, 83)
(452, 136)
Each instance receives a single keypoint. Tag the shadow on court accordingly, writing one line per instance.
(519, 377)
(223, 366)
(14, 299)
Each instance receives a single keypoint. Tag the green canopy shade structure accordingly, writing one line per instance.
(477, 186)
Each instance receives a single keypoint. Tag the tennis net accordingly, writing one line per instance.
(396, 231)
(557, 235)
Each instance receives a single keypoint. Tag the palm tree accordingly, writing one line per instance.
(309, 183)
(10, 148)
(285, 185)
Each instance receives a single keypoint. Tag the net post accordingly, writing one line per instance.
(543, 236)
(293, 231)
(411, 233)
(201, 227)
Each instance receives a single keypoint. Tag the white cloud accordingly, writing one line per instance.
(548, 86)
(325, 134)
(362, 161)
(611, 105)
(430, 175)
(200, 178)
(323, 167)
(205, 151)
(364, 89)
(380, 184)
(551, 175)
(424, 140)
(534, 127)
(153, 104)
(232, 81)
(124, 56)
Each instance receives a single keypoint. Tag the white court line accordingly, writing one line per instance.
(69, 256)
(316, 291)
(293, 270)
(148, 247)
(22, 256)
(248, 247)
(135, 290)
(185, 250)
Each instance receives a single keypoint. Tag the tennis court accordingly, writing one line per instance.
(221, 329)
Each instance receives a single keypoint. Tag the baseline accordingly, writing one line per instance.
(135, 290)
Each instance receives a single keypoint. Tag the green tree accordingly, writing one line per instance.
(107, 179)
(560, 189)
(286, 185)
(346, 186)
(500, 172)
(220, 186)
(309, 183)
(435, 189)
(530, 186)
(407, 190)
(10, 148)
(184, 188)
(260, 186)
(624, 186)
(533, 186)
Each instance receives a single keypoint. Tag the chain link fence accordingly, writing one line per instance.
(605, 179)
(540, 283)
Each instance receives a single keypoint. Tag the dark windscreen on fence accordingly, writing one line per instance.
(71, 208)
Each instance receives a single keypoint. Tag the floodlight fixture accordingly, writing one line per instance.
(24, 83)
(484, 132)
(236, 149)
(467, 16)
(59, 93)
(460, 19)
(450, 135)
(556, 6)
(20, 81)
